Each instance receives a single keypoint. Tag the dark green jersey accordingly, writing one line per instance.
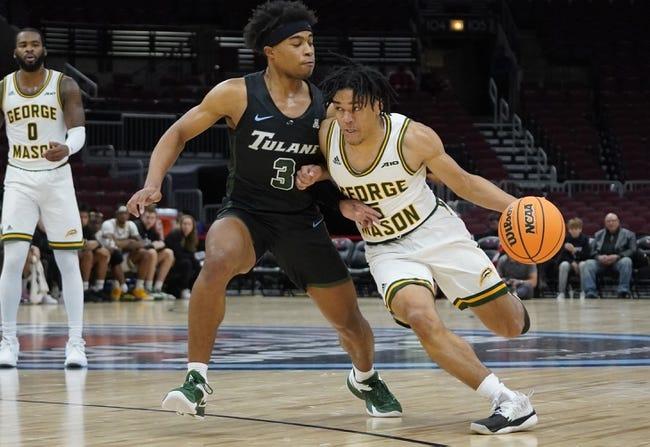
(266, 150)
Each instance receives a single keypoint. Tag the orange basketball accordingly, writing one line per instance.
(531, 230)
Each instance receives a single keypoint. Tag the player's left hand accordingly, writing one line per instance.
(359, 212)
(308, 175)
(57, 151)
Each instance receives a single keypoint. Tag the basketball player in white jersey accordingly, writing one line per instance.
(44, 119)
(382, 159)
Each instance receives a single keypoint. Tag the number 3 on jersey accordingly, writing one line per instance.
(285, 169)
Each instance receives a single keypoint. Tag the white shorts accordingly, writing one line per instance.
(48, 195)
(441, 249)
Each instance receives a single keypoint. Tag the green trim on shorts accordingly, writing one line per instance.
(489, 294)
(398, 285)
(16, 237)
(76, 245)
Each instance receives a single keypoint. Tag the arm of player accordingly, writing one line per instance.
(424, 146)
(354, 210)
(75, 119)
(307, 175)
(222, 101)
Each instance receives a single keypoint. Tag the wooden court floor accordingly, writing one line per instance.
(279, 378)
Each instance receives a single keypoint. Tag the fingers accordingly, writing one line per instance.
(140, 200)
(306, 177)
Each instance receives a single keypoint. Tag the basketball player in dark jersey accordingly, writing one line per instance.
(273, 117)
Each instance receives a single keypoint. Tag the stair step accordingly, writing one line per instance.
(519, 158)
(520, 167)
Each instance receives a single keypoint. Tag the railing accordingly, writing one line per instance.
(118, 167)
(574, 186)
(191, 201)
(141, 132)
(90, 90)
(636, 185)
(494, 98)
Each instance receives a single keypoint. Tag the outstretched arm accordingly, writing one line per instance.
(224, 100)
(423, 145)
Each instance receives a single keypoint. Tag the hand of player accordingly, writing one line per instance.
(308, 175)
(359, 212)
(56, 152)
(145, 197)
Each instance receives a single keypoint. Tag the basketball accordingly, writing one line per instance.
(531, 230)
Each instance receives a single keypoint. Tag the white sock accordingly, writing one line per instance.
(157, 287)
(72, 285)
(99, 285)
(15, 253)
(86, 285)
(493, 389)
(199, 367)
(139, 283)
(360, 376)
(148, 285)
(124, 287)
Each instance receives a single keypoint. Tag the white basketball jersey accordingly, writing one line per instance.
(389, 185)
(33, 121)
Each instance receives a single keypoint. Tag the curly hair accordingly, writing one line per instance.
(367, 84)
(268, 16)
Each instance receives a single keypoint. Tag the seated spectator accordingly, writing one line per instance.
(122, 233)
(493, 223)
(92, 256)
(184, 241)
(150, 229)
(613, 249)
(45, 257)
(520, 278)
(34, 282)
(119, 289)
(576, 250)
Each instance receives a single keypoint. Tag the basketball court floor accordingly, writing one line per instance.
(279, 378)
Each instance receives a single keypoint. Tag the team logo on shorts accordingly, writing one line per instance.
(71, 233)
(485, 274)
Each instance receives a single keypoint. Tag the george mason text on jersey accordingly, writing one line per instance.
(265, 141)
(31, 111)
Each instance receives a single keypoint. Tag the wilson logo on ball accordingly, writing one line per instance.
(507, 226)
(529, 218)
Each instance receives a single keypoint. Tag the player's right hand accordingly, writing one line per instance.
(308, 175)
(145, 197)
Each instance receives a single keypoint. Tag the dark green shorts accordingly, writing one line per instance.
(300, 242)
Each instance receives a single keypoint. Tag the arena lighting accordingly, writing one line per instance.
(457, 25)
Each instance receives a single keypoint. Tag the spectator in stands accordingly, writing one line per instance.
(184, 242)
(612, 251)
(45, 257)
(119, 290)
(493, 224)
(520, 278)
(34, 281)
(150, 229)
(576, 250)
(92, 256)
(402, 79)
(122, 233)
